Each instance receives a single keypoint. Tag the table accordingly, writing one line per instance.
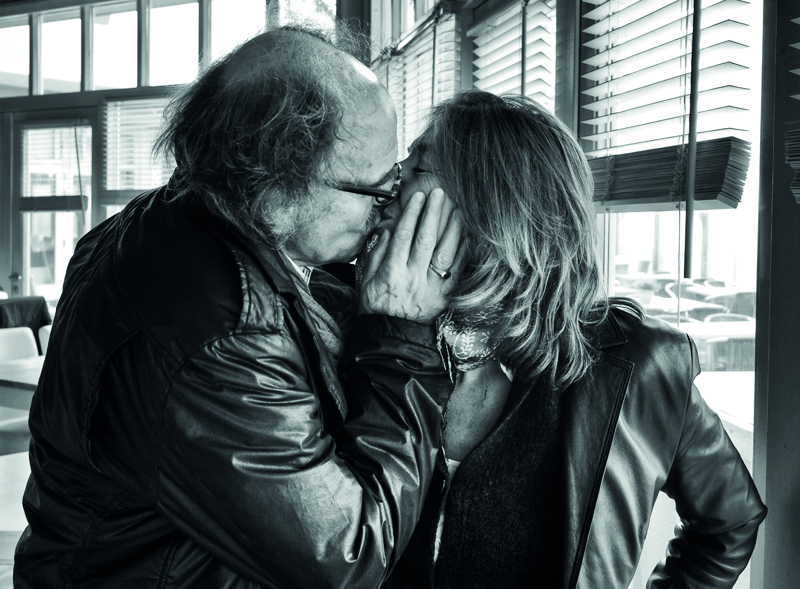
(18, 380)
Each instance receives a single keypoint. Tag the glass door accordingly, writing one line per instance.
(53, 186)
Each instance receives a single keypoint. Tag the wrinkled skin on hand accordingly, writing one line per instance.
(396, 278)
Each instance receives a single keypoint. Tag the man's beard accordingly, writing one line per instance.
(372, 221)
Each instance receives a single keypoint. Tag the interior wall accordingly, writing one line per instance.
(777, 412)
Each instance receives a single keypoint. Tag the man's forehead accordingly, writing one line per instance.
(367, 151)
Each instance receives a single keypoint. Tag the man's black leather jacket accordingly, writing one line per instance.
(188, 425)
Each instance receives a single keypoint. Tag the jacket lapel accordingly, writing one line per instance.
(591, 409)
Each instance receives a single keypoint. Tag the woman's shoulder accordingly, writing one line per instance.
(628, 332)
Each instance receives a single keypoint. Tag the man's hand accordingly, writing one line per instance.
(398, 279)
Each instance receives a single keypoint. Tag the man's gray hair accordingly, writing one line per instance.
(254, 131)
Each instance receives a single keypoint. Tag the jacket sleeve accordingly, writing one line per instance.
(717, 502)
(247, 470)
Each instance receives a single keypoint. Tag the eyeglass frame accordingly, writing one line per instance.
(382, 196)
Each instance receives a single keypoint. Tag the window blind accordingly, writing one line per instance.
(448, 57)
(53, 177)
(498, 60)
(636, 85)
(409, 75)
(131, 128)
(411, 87)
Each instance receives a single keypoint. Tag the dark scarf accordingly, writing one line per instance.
(332, 306)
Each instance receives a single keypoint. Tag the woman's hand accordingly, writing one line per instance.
(398, 279)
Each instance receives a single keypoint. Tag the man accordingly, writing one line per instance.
(189, 428)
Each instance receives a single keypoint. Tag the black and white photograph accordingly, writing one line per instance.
(399, 294)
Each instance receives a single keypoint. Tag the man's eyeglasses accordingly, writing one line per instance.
(382, 196)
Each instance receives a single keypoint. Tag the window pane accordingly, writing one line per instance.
(173, 43)
(14, 58)
(115, 42)
(56, 161)
(52, 166)
(716, 307)
(131, 129)
(321, 13)
(61, 52)
(233, 22)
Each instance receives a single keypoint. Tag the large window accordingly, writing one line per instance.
(107, 36)
(635, 124)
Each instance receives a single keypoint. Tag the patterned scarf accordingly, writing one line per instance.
(466, 343)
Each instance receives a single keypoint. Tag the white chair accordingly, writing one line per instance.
(44, 337)
(17, 342)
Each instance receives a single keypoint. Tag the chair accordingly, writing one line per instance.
(44, 337)
(17, 342)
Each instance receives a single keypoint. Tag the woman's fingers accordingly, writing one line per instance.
(398, 279)
(425, 241)
(446, 248)
(447, 210)
(458, 265)
(401, 243)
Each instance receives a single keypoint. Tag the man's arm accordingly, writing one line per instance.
(247, 471)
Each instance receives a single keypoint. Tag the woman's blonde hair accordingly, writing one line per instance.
(525, 189)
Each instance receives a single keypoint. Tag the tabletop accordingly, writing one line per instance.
(18, 380)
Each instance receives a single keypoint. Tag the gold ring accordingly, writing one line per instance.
(443, 274)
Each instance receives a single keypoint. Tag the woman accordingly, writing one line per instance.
(570, 412)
